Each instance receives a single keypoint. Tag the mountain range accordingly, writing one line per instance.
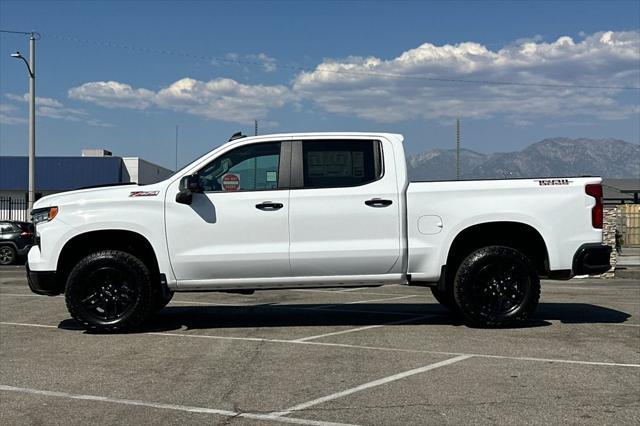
(556, 157)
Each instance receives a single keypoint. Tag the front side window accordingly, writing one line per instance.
(330, 164)
(247, 168)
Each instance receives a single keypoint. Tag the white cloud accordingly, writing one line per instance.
(8, 117)
(220, 99)
(49, 102)
(399, 89)
(418, 84)
(112, 94)
(262, 59)
(267, 62)
(47, 107)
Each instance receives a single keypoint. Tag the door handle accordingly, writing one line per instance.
(378, 202)
(268, 206)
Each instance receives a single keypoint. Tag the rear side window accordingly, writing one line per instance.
(6, 228)
(340, 163)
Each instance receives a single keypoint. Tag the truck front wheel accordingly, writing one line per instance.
(109, 291)
(496, 286)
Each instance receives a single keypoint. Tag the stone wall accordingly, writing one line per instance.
(609, 236)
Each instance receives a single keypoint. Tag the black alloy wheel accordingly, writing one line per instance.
(7, 255)
(496, 286)
(109, 291)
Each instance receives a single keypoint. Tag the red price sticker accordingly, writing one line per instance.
(230, 182)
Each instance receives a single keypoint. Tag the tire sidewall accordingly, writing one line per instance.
(137, 275)
(13, 255)
(466, 277)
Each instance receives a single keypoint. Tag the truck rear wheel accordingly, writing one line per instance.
(109, 291)
(496, 286)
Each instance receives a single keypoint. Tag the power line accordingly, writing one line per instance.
(32, 33)
(342, 72)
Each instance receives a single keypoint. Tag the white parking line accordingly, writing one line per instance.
(368, 327)
(28, 325)
(189, 302)
(369, 385)
(26, 295)
(386, 299)
(163, 406)
(568, 287)
(373, 348)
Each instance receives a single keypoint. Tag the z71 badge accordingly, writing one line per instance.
(547, 182)
(143, 193)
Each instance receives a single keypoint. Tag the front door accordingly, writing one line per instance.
(239, 227)
(345, 213)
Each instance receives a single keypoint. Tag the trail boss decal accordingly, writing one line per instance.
(143, 193)
(230, 182)
(553, 182)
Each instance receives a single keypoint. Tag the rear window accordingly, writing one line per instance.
(330, 164)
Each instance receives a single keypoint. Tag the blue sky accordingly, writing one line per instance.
(121, 75)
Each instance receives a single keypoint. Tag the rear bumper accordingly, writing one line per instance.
(592, 259)
(24, 250)
(44, 282)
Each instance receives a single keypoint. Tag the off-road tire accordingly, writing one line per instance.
(116, 277)
(8, 255)
(496, 286)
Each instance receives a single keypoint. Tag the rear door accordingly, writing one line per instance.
(344, 216)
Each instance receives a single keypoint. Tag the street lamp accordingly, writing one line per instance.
(31, 67)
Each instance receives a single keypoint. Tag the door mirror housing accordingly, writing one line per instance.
(191, 183)
(188, 186)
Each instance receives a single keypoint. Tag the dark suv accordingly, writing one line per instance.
(16, 238)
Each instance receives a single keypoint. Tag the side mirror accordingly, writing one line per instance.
(191, 183)
(188, 186)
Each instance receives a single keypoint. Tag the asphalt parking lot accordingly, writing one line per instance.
(389, 355)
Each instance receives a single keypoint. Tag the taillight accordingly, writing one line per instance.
(595, 190)
(26, 234)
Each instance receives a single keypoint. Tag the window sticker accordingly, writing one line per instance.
(329, 164)
(230, 182)
(272, 176)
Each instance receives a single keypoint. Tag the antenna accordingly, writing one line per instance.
(255, 127)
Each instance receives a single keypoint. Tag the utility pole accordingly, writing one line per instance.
(457, 148)
(31, 68)
(32, 121)
(255, 127)
(176, 169)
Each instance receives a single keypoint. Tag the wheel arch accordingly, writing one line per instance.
(517, 235)
(113, 239)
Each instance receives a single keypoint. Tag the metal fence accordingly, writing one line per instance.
(14, 209)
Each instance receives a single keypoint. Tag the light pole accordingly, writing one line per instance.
(31, 67)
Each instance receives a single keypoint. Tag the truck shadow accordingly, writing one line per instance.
(305, 315)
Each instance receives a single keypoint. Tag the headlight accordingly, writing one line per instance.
(44, 214)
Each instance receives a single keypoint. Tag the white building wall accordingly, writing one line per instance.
(143, 172)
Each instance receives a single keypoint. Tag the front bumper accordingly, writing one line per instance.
(592, 259)
(44, 282)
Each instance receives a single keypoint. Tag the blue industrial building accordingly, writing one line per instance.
(57, 174)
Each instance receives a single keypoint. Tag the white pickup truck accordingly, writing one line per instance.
(313, 210)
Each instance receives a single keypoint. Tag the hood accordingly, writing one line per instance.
(100, 193)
